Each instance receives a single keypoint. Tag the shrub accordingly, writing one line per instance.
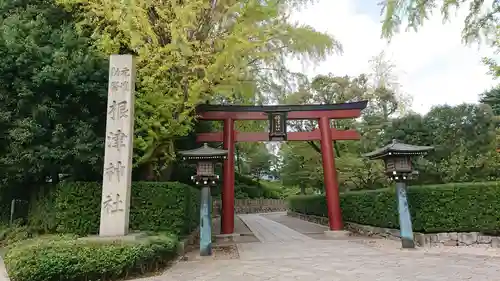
(272, 193)
(248, 188)
(72, 260)
(15, 233)
(459, 207)
(273, 190)
(245, 187)
(74, 207)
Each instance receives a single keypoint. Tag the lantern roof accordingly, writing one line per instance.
(398, 148)
(204, 153)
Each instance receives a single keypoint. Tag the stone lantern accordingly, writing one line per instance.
(205, 159)
(397, 158)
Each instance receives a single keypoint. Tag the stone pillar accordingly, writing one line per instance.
(117, 175)
(404, 217)
(205, 223)
(331, 187)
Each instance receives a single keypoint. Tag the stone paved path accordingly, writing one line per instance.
(267, 230)
(301, 226)
(297, 258)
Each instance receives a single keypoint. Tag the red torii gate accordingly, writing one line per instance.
(277, 115)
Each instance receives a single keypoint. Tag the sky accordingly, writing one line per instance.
(433, 65)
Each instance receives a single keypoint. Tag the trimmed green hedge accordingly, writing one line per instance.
(74, 207)
(459, 207)
(76, 260)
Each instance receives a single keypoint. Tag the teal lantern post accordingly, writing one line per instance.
(398, 166)
(205, 158)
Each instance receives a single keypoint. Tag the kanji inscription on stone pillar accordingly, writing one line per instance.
(117, 174)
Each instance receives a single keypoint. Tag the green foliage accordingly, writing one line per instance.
(464, 139)
(74, 207)
(491, 98)
(53, 96)
(259, 161)
(15, 233)
(459, 207)
(247, 188)
(480, 25)
(479, 22)
(301, 162)
(301, 166)
(273, 189)
(75, 260)
(355, 173)
(182, 60)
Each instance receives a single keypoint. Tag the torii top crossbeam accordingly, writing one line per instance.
(287, 112)
(294, 112)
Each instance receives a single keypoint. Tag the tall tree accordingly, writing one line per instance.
(189, 52)
(386, 95)
(259, 161)
(481, 23)
(492, 98)
(300, 167)
(327, 89)
(463, 138)
(354, 171)
(52, 96)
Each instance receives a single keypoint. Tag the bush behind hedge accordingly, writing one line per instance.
(455, 207)
(246, 187)
(74, 207)
(78, 260)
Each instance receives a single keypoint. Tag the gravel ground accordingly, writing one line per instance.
(228, 252)
(225, 252)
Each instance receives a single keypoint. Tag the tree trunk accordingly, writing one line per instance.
(166, 173)
(238, 159)
(302, 189)
(149, 174)
(55, 177)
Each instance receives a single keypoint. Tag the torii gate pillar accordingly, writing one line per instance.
(330, 176)
(227, 214)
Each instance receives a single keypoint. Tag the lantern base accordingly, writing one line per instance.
(233, 237)
(407, 243)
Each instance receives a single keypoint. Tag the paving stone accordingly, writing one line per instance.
(285, 255)
(267, 230)
(299, 225)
